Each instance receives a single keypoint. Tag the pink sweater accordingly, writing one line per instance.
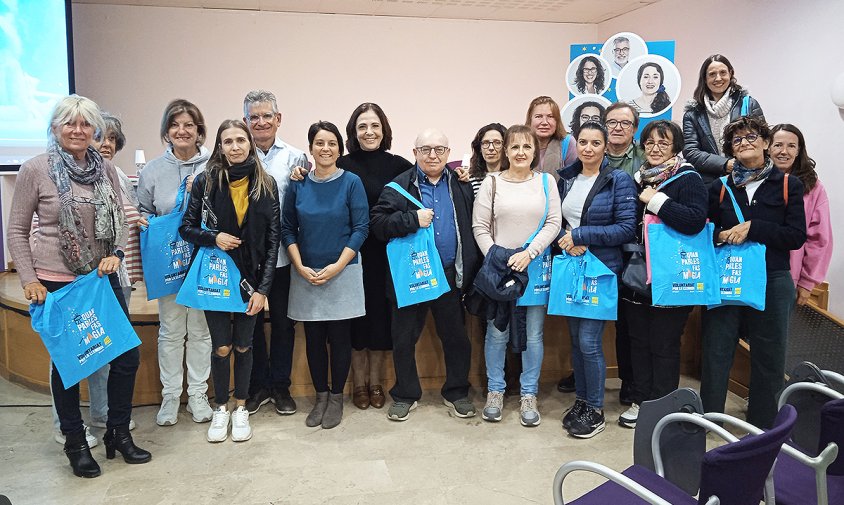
(36, 193)
(519, 207)
(810, 263)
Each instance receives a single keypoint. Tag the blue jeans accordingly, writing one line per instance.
(587, 359)
(495, 348)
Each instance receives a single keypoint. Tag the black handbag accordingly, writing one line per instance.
(635, 273)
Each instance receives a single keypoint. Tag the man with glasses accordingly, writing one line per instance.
(448, 208)
(621, 121)
(621, 53)
(270, 378)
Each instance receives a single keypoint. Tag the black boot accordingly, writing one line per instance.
(120, 439)
(79, 454)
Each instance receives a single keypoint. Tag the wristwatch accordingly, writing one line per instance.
(119, 254)
(531, 254)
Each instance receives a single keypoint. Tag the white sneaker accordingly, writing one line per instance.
(92, 440)
(101, 423)
(629, 417)
(219, 429)
(168, 414)
(241, 431)
(198, 406)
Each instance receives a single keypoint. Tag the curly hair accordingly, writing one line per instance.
(580, 81)
(477, 166)
(575, 118)
(661, 100)
(751, 124)
(804, 166)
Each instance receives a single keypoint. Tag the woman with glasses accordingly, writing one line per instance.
(772, 206)
(325, 221)
(486, 154)
(183, 337)
(587, 111)
(681, 204)
(810, 263)
(599, 213)
(718, 100)
(589, 76)
(654, 98)
(543, 117)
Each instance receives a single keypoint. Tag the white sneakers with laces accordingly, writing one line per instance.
(219, 429)
(241, 431)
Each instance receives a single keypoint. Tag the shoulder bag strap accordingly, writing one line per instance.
(675, 177)
(405, 194)
(739, 214)
(545, 216)
(745, 105)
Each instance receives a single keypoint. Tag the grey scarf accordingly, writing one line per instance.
(81, 254)
(718, 114)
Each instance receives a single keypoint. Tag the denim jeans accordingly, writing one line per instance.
(235, 330)
(495, 349)
(767, 333)
(587, 358)
(271, 368)
(183, 342)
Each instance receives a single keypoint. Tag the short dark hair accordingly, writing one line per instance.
(624, 105)
(329, 127)
(527, 131)
(351, 127)
(580, 81)
(804, 166)
(751, 124)
(176, 107)
(477, 166)
(662, 127)
(702, 90)
(593, 125)
(575, 118)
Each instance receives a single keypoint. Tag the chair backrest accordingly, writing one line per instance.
(736, 472)
(832, 430)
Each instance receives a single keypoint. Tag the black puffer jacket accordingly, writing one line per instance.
(700, 149)
(260, 232)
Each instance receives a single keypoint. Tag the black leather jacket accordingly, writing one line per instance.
(260, 232)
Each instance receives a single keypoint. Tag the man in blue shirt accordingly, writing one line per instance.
(448, 208)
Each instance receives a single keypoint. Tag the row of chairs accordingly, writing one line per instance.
(793, 463)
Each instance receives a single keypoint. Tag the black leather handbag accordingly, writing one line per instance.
(635, 273)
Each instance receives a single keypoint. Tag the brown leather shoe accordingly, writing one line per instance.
(376, 396)
(360, 397)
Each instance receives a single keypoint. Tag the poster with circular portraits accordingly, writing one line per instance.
(588, 74)
(584, 108)
(650, 83)
(621, 48)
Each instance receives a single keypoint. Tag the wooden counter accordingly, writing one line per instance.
(24, 360)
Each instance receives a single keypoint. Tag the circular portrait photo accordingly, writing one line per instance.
(584, 108)
(588, 74)
(650, 83)
(622, 48)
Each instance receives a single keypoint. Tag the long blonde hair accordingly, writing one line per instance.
(218, 164)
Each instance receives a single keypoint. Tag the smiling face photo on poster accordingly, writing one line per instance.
(650, 84)
(622, 48)
(588, 74)
(568, 111)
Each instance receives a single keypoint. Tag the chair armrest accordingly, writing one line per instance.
(831, 376)
(812, 386)
(683, 417)
(609, 474)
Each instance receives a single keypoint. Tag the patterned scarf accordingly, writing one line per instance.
(81, 254)
(653, 176)
(719, 115)
(742, 175)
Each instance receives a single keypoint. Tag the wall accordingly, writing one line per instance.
(457, 75)
(786, 53)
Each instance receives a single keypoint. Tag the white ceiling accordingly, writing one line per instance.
(553, 11)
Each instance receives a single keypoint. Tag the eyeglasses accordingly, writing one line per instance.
(750, 137)
(256, 118)
(426, 150)
(660, 144)
(612, 124)
(621, 50)
(494, 144)
(593, 70)
(586, 117)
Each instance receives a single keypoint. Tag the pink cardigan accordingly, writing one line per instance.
(810, 263)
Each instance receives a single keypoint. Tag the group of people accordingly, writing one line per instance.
(310, 243)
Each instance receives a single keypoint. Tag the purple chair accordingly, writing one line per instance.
(799, 477)
(734, 474)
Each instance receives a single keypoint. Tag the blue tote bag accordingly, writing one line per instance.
(212, 283)
(582, 286)
(165, 255)
(415, 264)
(539, 268)
(742, 268)
(681, 268)
(83, 327)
